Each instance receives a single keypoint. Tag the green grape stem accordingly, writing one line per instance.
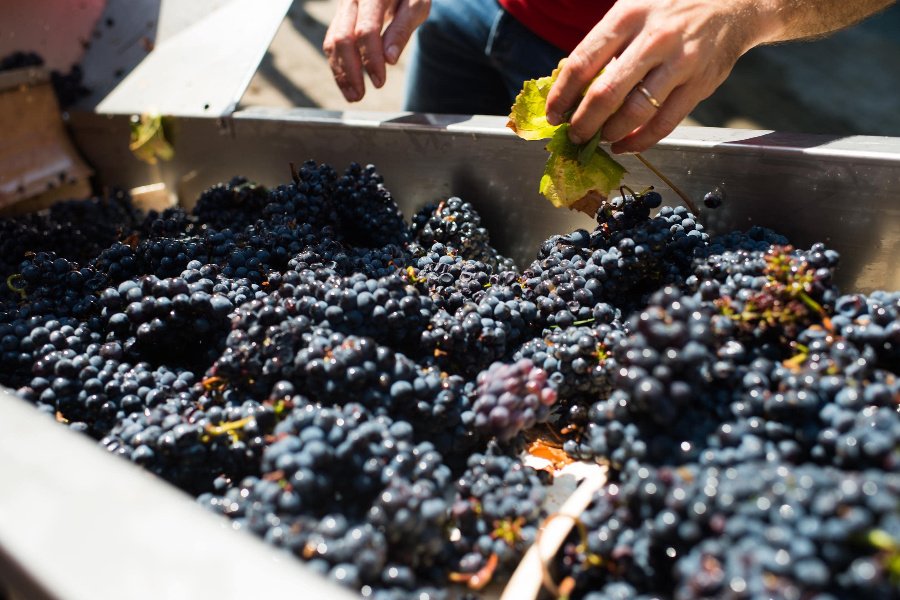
(17, 289)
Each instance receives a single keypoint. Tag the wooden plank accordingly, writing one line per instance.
(36, 155)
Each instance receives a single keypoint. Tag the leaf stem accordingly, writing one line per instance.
(588, 149)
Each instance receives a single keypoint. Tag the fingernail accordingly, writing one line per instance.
(351, 95)
(553, 118)
(376, 80)
(574, 138)
(392, 53)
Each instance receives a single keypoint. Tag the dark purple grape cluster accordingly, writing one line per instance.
(366, 211)
(512, 398)
(483, 331)
(358, 391)
(389, 309)
(179, 320)
(344, 467)
(622, 262)
(580, 361)
(328, 254)
(76, 229)
(68, 86)
(192, 441)
(232, 205)
(20, 60)
(52, 285)
(755, 530)
(770, 294)
(498, 509)
(456, 225)
(871, 321)
(27, 336)
(451, 280)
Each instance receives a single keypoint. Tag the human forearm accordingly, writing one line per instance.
(787, 20)
(660, 59)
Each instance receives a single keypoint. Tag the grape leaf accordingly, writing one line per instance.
(570, 177)
(528, 117)
(148, 139)
(575, 176)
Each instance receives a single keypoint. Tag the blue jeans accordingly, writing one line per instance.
(471, 57)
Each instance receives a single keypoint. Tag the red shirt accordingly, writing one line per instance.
(563, 23)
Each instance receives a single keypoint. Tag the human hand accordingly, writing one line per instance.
(679, 52)
(354, 41)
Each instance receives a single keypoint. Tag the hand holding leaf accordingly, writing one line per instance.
(575, 176)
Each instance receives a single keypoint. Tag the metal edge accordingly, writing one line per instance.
(845, 196)
(83, 524)
(863, 148)
(16, 583)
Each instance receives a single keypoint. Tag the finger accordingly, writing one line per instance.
(678, 105)
(607, 93)
(582, 65)
(408, 16)
(638, 108)
(343, 57)
(369, 24)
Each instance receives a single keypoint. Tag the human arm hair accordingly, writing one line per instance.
(802, 19)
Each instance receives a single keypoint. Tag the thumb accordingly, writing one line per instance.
(409, 15)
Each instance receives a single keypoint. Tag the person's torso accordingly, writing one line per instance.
(563, 23)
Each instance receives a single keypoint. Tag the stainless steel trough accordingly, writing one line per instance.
(77, 523)
(842, 191)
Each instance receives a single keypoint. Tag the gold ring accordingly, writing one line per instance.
(648, 95)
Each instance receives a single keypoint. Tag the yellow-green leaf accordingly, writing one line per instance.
(148, 139)
(569, 177)
(578, 177)
(528, 117)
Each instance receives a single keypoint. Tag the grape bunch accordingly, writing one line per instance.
(512, 398)
(759, 529)
(345, 466)
(361, 391)
(456, 224)
(498, 508)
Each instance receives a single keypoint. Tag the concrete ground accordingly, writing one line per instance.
(846, 84)
(294, 72)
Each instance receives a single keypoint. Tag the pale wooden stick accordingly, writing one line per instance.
(528, 577)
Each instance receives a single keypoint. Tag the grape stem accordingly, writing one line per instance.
(19, 289)
(476, 581)
(684, 197)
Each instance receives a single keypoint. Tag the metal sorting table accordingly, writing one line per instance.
(841, 191)
(78, 523)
